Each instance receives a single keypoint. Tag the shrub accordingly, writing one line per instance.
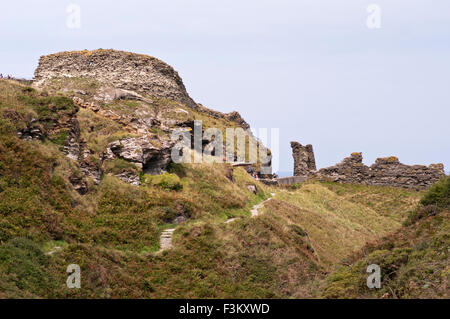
(294, 186)
(25, 265)
(60, 138)
(438, 194)
(48, 108)
(6, 127)
(177, 169)
(345, 282)
(436, 199)
(166, 181)
(118, 165)
(298, 230)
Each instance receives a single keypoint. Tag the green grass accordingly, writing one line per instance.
(118, 165)
(166, 181)
(23, 270)
(114, 230)
(414, 261)
(336, 223)
(435, 200)
(438, 194)
(389, 201)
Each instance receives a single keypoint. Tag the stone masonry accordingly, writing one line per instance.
(120, 76)
(386, 171)
(304, 161)
(123, 75)
(129, 71)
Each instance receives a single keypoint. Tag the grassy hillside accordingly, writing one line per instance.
(334, 221)
(113, 230)
(414, 261)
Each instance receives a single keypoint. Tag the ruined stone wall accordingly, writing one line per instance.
(291, 180)
(124, 70)
(304, 161)
(384, 172)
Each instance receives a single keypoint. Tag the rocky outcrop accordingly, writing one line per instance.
(136, 73)
(32, 128)
(109, 94)
(32, 131)
(232, 116)
(237, 118)
(73, 144)
(386, 171)
(90, 168)
(142, 153)
(79, 184)
(252, 189)
(129, 177)
(155, 103)
(123, 75)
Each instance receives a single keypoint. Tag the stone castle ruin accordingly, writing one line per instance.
(123, 75)
(95, 80)
(304, 161)
(124, 70)
(386, 171)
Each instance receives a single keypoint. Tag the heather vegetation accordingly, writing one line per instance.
(414, 260)
(311, 240)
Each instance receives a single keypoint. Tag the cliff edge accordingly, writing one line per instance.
(130, 71)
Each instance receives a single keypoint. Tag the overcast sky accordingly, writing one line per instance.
(311, 68)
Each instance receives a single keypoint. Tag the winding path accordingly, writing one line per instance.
(255, 208)
(165, 241)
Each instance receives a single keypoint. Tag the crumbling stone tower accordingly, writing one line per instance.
(304, 161)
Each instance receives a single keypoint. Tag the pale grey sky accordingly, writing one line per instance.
(311, 68)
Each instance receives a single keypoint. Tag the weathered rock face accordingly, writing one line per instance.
(124, 70)
(32, 130)
(252, 188)
(79, 184)
(125, 108)
(232, 116)
(129, 177)
(304, 161)
(139, 151)
(384, 172)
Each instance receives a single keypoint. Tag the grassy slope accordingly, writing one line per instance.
(113, 231)
(39, 208)
(414, 261)
(335, 225)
